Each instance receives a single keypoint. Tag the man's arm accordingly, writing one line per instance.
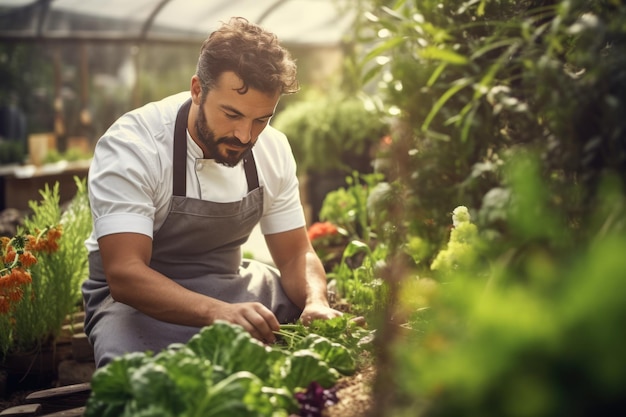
(302, 273)
(126, 259)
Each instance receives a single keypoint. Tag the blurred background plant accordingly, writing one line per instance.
(331, 136)
(352, 254)
(12, 152)
(532, 333)
(70, 155)
(332, 132)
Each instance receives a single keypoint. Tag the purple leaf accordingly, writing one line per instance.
(315, 399)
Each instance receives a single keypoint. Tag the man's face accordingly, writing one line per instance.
(228, 123)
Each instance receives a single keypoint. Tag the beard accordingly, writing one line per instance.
(206, 136)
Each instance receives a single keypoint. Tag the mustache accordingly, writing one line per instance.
(232, 141)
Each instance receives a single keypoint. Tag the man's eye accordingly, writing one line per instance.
(231, 116)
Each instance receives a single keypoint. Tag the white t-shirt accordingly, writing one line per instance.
(131, 175)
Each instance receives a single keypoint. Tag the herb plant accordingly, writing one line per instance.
(56, 239)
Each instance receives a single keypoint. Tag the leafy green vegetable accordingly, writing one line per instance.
(151, 385)
(304, 366)
(337, 356)
(238, 394)
(342, 330)
(113, 387)
(221, 371)
(233, 349)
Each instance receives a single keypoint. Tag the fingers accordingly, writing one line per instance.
(260, 322)
(314, 314)
(359, 321)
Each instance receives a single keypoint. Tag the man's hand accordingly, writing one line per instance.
(318, 311)
(255, 318)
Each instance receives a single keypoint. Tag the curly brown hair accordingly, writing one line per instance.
(252, 53)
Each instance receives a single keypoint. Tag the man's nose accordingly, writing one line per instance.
(243, 131)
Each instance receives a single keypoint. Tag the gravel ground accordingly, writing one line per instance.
(355, 395)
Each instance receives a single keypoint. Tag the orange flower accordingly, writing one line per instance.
(55, 233)
(15, 275)
(46, 240)
(21, 277)
(321, 229)
(10, 256)
(15, 295)
(30, 241)
(16, 257)
(27, 259)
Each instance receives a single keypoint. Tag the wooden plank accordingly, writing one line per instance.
(67, 390)
(24, 410)
(74, 412)
(60, 399)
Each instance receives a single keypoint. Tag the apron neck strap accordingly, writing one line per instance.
(180, 156)
(180, 150)
(249, 166)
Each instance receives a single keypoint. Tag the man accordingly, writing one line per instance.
(178, 185)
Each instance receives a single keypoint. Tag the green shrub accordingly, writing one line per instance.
(331, 133)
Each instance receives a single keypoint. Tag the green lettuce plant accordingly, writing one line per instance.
(221, 371)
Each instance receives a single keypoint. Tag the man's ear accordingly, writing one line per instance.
(196, 90)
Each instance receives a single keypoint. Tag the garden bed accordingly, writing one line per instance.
(354, 393)
(68, 386)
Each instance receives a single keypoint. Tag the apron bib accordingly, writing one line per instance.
(199, 247)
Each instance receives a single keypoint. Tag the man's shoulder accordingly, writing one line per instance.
(167, 106)
(273, 153)
(153, 120)
(273, 140)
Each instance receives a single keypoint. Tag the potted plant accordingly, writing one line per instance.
(331, 136)
(41, 270)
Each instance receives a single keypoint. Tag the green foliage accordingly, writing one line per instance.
(331, 132)
(11, 152)
(342, 330)
(358, 278)
(472, 82)
(221, 371)
(359, 211)
(351, 208)
(509, 108)
(536, 334)
(71, 155)
(25, 68)
(56, 277)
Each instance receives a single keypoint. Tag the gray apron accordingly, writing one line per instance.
(199, 247)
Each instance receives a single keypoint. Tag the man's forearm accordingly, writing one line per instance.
(304, 280)
(161, 298)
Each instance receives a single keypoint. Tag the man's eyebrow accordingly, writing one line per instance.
(237, 112)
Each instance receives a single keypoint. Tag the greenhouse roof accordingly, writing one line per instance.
(301, 22)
